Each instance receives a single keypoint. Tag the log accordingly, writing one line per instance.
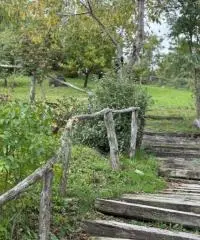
(112, 139)
(134, 129)
(30, 180)
(143, 212)
(129, 231)
(163, 202)
(45, 207)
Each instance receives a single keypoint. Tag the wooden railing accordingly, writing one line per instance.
(64, 154)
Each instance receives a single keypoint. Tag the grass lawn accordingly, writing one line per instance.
(165, 102)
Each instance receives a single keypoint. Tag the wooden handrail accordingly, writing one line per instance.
(64, 154)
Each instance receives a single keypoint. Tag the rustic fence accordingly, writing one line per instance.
(64, 154)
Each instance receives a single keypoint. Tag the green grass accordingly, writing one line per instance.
(165, 101)
(171, 102)
(21, 91)
(90, 177)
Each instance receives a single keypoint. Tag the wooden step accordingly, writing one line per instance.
(144, 212)
(179, 173)
(128, 231)
(179, 163)
(184, 146)
(178, 196)
(180, 181)
(163, 202)
(171, 152)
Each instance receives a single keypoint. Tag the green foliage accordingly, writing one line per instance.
(26, 140)
(117, 95)
(87, 50)
(64, 109)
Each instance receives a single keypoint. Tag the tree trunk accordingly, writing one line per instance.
(139, 39)
(197, 91)
(33, 88)
(86, 79)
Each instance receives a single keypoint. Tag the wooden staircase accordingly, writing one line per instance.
(179, 160)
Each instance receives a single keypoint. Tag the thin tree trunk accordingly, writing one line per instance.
(138, 42)
(86, 80)
(33, 88)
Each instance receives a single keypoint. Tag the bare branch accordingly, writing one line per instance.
(73, 14)
(103, 27)
(10, 66)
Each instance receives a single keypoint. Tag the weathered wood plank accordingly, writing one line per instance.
(112, 139)
(45, 207)
(134, 129)
(170, 152)
(179, 173)
(176, 204)
(123, 230)
(138, 211)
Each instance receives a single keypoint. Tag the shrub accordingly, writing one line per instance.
(26, 140)
(117, 95)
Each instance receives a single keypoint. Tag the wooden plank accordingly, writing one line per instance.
(180, 163)
(175, 195)
(170, 152)
(129, 231)
(180, 181)
(176, 204)
(143, 212)
(134, 130)
(112, 139)
(179, 173)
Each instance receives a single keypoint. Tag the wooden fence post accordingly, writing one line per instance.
(134, 129)
(45, 206)
(65, 151)
(112, 138)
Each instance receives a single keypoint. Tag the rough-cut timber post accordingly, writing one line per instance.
(45, 207)
(134, 129)
(65, 154)
(112, 138)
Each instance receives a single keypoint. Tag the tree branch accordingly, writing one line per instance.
(91, 12)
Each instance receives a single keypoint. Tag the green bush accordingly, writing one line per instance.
(117, 95)
(26, 140)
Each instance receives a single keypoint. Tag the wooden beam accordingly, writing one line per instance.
(45, 207)
(179, 173)
(134, 129)
(163, 202)
(112, 139)
(129, 231)
(65, 154)
(144, 212)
